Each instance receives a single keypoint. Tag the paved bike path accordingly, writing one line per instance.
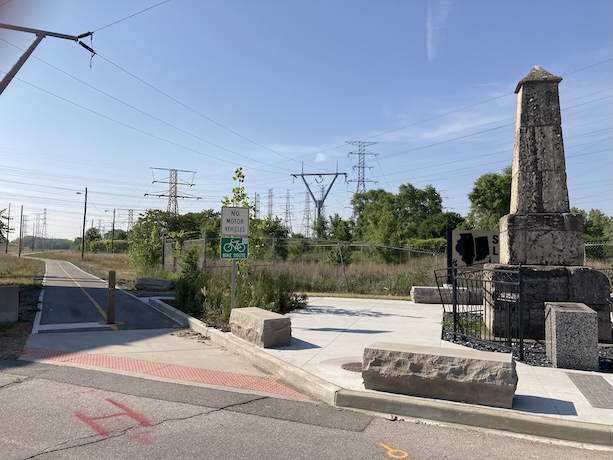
(74, 300)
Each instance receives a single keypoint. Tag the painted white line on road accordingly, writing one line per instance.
(64, 326)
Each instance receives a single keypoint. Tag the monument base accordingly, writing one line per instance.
(541, 284)
(542, 239)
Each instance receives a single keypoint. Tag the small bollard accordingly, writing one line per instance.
(110, 314)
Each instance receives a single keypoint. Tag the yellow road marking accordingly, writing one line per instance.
(394, 453)
(100, 309)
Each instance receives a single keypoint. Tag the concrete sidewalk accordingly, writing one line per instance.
(328, 339)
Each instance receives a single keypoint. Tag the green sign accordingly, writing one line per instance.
(234, 248)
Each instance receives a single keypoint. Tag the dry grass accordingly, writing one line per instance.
(20, 270)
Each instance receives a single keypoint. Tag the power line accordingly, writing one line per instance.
(131, 16)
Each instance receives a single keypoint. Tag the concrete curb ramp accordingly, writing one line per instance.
(407, 406)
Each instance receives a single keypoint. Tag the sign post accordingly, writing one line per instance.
(234, 242)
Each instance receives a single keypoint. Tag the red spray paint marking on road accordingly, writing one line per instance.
(127, 412)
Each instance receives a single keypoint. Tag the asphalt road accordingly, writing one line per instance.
(77, 301)
(58, 412)
(63, 412)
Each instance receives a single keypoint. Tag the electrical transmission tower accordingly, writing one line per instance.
(130, 219)
(361, 166)
(270, 203)
(44, 229)
(288, 212)
(306, 220)
(173, 186)
(24, 226)
(319, 204)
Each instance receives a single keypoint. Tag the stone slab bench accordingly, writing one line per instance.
(9, 304)
(261, 327)
(154, 285)
(431, 294)
(455, 374)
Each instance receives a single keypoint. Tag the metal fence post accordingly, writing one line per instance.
(340, 252)
(521, 313)
(454, 298)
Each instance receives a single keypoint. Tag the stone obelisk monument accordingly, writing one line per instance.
(540, 235)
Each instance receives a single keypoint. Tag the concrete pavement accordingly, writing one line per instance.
(329, 337)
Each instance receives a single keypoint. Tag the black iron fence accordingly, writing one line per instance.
(483, 306)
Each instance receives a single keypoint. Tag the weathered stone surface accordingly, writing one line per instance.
(432, 294)
(539, 168)
(543, 284)
(541, 239)
(154, 284)
(261, 327)
(571, 335)
(9, 304)
(462, 375)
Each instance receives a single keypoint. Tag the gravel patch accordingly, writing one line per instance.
(534, 351)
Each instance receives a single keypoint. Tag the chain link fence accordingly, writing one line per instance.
(323, 265)
(337, 266)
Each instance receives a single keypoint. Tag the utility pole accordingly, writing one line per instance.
(361, 153)
(257, 205)
(113, 234)
(319, 204)
(84, 217)
(173, 185)
(20, 232)
(40, 34)
(8, 230)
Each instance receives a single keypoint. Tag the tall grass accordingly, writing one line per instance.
(363, 278)
(20, 270)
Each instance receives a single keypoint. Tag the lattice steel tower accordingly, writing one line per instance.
(173, 185)
(288, 211)
(306, 219)
(270, 196)
(361, 166)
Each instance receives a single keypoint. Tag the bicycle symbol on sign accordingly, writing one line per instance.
(234, 245)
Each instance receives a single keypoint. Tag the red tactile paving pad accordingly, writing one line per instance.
(169, 371)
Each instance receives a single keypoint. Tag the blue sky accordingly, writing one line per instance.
(278, 87)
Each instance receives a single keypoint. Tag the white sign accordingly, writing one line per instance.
(469, 247)
(234, 221)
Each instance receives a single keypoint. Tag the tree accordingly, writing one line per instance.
(339, 229)
(145, 238)
(92, 234)
(490, 199)
(320, 227)
(413, 206)
(375, 217)
(239, 196)
(596, 225)
(388, 219)
(436, 226)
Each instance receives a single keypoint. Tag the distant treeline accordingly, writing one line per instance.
(42, 244)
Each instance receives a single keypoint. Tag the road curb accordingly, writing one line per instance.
(477, 416)
(401, 405)
(300, 380)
